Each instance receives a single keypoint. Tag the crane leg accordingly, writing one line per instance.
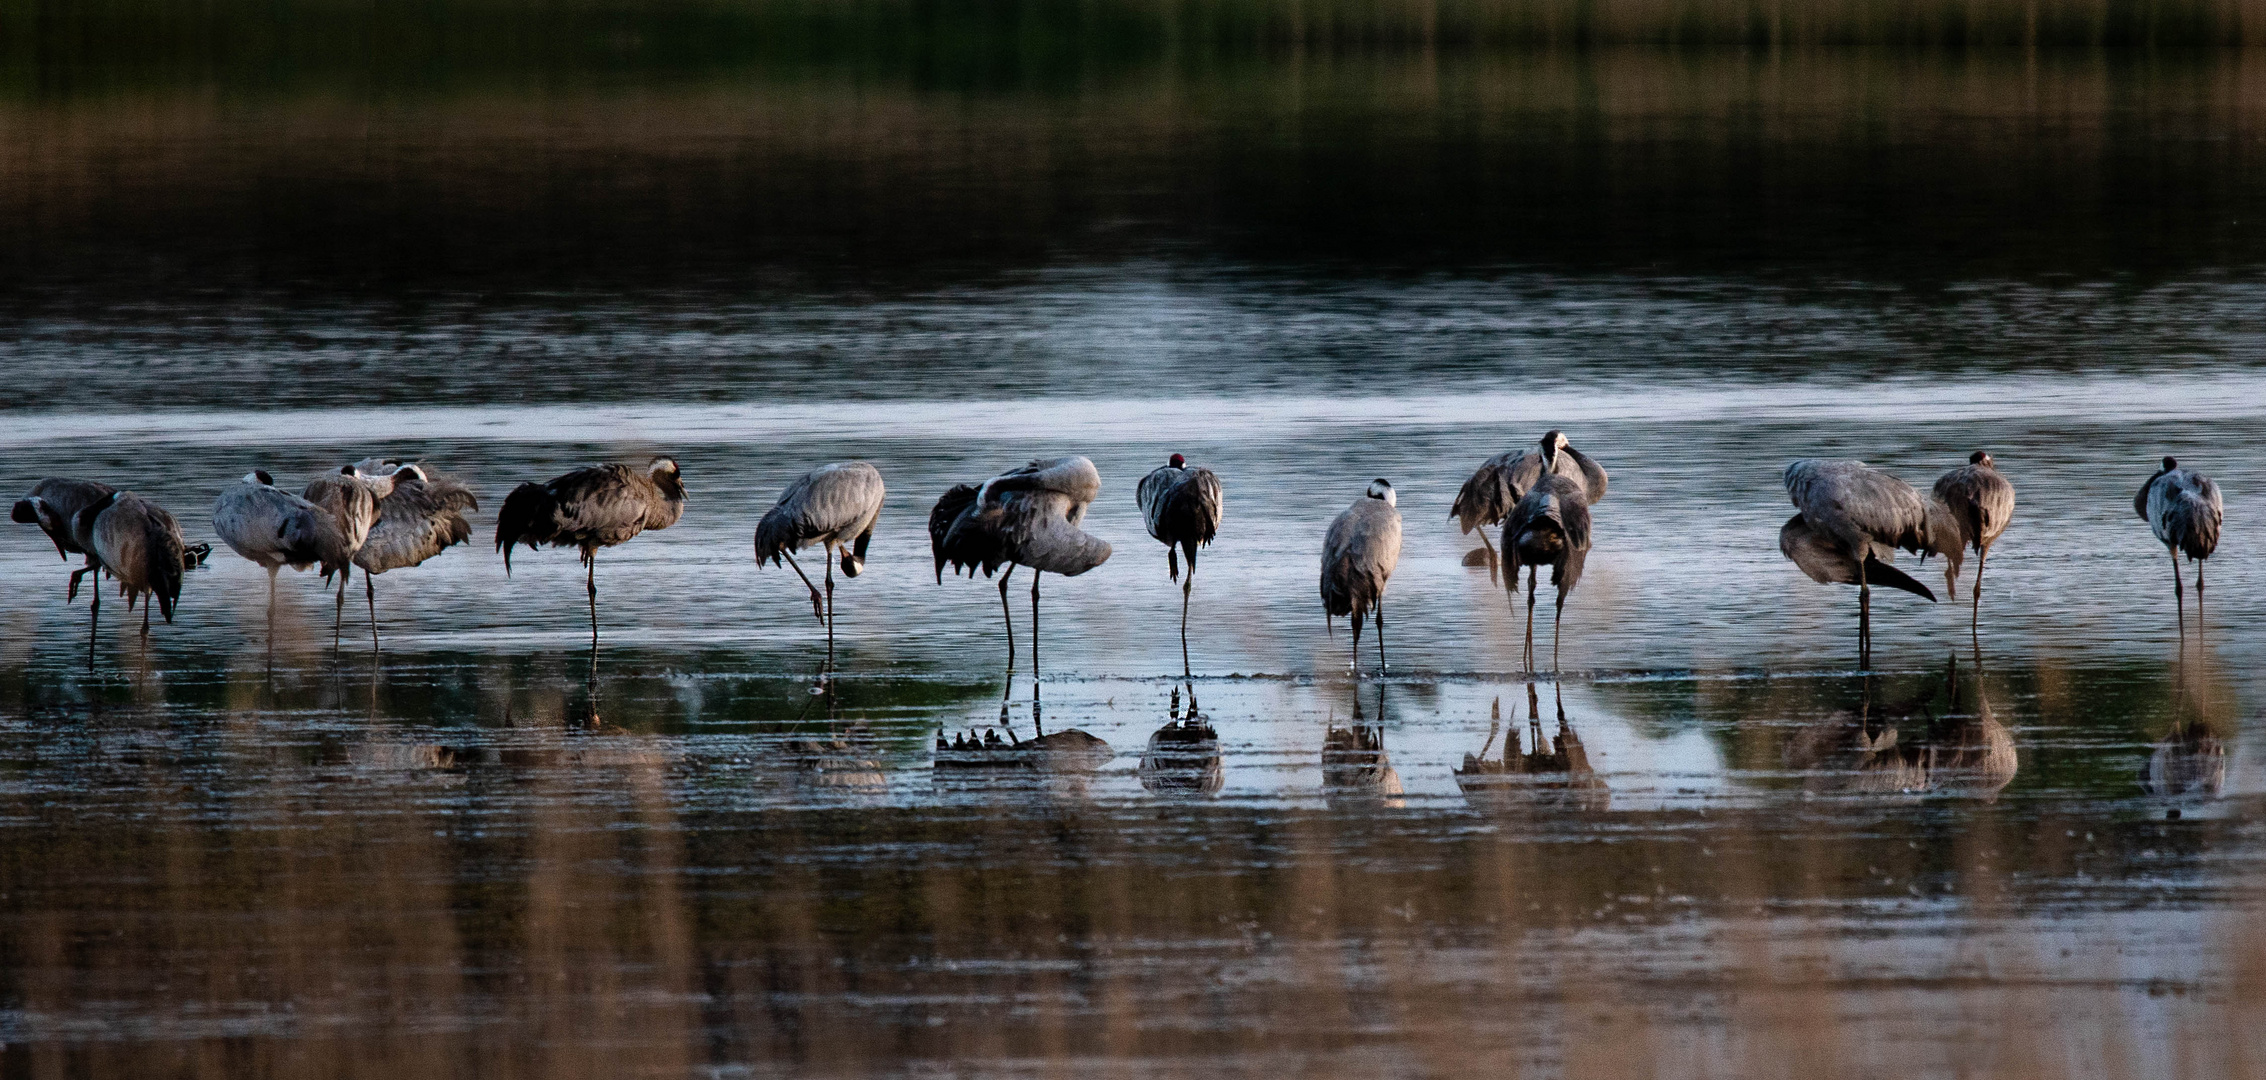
(816, 602)
(2179, 588)
(1008, 613)
(145, 623)
(829, 607)
(1494, 561)
(1527, 657)
(338, 609)
(1864, 620)
(94, 620)
(271, 619)
(1034, 627)
(1975, 622)
(1381, 666)
(1554, 625)
(1187, 586)
(590, 581)
(1353, 664)
(370, 593)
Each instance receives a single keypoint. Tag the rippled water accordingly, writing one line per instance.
(2027, 852)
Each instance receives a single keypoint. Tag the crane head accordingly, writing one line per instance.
(1382, 488)
(1981, 457)
(662, 466)
(1179, 462)
(1553, 441)
(260, 477)
(2170, 463)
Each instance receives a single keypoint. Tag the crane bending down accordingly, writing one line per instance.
(421, 515)
(1358, 557)
(51, 504)
(1851, 519)
(139, 544)
(1976, 502)
(350, 497)
(1549, 527)
(2183, 508)
(1182, 508)
(591, 508)
(1024, 517)
(274, 529)
(834, 506)
(1496, 487)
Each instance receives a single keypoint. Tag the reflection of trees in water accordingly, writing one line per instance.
(1183, 756)
(1354, 761)
(1548, 775)
(1903, 749)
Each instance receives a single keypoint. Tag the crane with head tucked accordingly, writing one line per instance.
(139, 545)
(1976, 502)
(350, 496)
(1181, 506)
(273, 528)
(1359, 554)
(421, 515)
(1030, 516)
(2183, 508)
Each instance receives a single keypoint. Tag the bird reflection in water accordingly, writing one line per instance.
(1354, 761)
(2187, 766)
(1183, 757)
(1907, 750)
(841, 760)
(1551, 774)
(996, 748)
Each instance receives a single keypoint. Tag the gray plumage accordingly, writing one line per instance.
(1851, 521)
(833, 506)
(51, 504)
(1028, 516)
(1501, 481)
(421, 515)
(1976, 503)
(139, 544)
(2183, 508)
(1549, 527)
(1181, 507)
(273, 529)
(1359, 554)
(350, 496)
(588, 509)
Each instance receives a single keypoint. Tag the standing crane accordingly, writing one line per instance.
(1501, 481)
(274, 529)
(350, 497)
(1851, 519)
(51, 504)
(833, 506)
(1549, 527)
(1182, 508)
(1358, 557)
(1978, 502)
(139, 545)
(1023, 517)
(421, 515)
(591, 508)
(2182, 507)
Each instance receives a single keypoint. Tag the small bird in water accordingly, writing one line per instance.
(421, 515)
(1358, 557)
(273, 528)
(1496, 487)
(1182, 508)
(139, 544)
(1023, 517)
(1851, 518)
(1549, 527)
(1978, 502)
(51, 504)
(2182, 507)
(834, 506)
(591, 508)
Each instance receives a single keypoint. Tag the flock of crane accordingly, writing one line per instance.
(384, 514)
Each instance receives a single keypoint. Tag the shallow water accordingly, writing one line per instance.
(2027, 851)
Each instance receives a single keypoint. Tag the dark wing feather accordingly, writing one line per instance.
(947, 513)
